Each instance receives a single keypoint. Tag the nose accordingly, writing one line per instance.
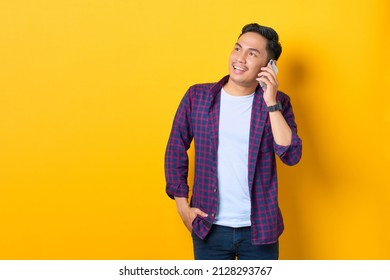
(240, 57)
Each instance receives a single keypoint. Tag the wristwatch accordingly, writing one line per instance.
(277, 107)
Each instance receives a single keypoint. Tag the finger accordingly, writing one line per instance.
(200, 213)
(262, 79)
(268, 69)
(269, 72)
(268, 76)
(268, 85)
(265, 80)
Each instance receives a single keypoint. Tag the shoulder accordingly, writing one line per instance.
(206, 90)
(199, 91)
(201, 88)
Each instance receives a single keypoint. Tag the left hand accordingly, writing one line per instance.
(268, 77)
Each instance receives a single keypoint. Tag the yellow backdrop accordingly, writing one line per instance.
(88, 92)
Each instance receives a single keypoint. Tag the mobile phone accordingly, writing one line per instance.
(273, 65)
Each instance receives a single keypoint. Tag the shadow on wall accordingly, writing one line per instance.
(312, 176)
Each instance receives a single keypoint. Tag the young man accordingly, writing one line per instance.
(237, 126)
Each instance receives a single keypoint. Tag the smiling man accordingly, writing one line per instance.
(238, 127)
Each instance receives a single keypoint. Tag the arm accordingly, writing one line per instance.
(288, 146)
(280, 129)
(176, 163)
(289, 154)
(176, 158)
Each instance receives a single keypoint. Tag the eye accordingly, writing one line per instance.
(252, 54)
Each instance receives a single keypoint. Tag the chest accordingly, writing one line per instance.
(234, 118)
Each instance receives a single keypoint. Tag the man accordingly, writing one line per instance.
(237, 126)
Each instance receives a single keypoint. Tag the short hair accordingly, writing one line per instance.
(274, 48)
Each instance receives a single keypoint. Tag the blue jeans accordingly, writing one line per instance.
(226, 243)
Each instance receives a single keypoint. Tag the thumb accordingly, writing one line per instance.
(200, 213)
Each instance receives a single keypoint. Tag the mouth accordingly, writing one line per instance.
(239, 69)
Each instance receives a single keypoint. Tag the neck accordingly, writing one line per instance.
(239, 90)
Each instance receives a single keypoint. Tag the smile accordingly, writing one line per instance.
(242, 69)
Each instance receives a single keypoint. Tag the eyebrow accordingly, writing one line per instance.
(252, 49)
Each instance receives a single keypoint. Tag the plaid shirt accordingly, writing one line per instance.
(197, 118)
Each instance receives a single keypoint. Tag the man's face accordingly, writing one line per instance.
(246, 59)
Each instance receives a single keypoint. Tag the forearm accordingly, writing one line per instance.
(280, 129)
(181, 204)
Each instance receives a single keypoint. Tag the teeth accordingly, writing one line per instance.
(238, 68)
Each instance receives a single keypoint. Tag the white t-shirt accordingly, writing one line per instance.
(234, 126)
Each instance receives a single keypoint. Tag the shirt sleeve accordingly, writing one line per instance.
(176, 157)
(291, 154)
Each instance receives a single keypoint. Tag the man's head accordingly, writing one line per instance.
(255, 46)
(274, 48)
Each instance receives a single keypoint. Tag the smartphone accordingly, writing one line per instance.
(273, 65)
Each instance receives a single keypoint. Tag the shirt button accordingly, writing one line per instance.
(212, 215)
(215, 190)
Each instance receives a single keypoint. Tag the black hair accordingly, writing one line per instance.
(274, 48)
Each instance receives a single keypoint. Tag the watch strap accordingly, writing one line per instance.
(276, 107)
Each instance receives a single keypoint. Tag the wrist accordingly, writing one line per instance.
(276, 107)
(271, 102)
(182, 204)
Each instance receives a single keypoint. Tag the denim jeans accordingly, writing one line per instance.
(226, 243)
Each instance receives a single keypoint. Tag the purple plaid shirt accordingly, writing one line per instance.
(197, 118)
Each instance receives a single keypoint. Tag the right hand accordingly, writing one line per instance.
(187, 213)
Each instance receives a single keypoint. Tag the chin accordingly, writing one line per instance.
(241, 81)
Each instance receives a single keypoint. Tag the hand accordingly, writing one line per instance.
(189, 216)
(187, 213)
(268, 77)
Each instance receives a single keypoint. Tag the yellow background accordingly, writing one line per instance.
(88, 92)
